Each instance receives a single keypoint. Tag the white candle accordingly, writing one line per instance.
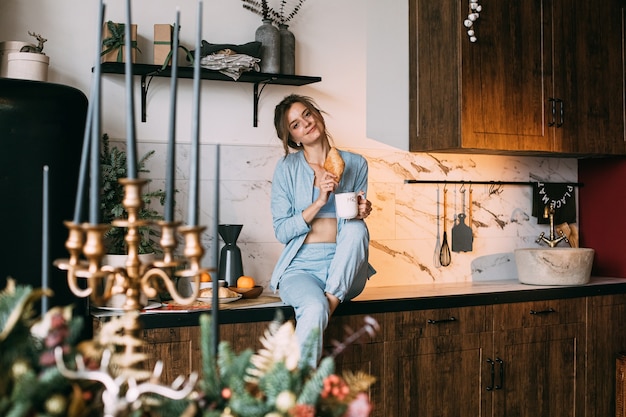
(45, 239)
(170, 176)
(195, 123)
(94, 187)
(131, 145)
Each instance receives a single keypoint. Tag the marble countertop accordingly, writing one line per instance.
(417, 297)
(467, 288)
(462, 294)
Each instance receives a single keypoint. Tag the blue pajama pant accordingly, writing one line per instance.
(340, 269)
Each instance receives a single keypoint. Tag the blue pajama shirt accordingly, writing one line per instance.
(305, 272)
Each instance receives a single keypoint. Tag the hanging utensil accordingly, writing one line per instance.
(469, 223)
(455, 212)
(444, 254)
(461, 233)
(454, 234)
(437, 254)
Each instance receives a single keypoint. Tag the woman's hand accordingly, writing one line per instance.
(365, 206)
(328, 184)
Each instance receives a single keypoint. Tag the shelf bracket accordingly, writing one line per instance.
(144, 93)
(257, 96)
(144, 97)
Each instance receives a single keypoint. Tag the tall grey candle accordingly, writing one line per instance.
(216, 250)
(45, 238)
(94, 186)
(195, 131)
(131, 145)
(170, 175)
(84, 157)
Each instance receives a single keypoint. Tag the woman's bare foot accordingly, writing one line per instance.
(333, 302)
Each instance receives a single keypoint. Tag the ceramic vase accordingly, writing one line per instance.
(287, 50)
(230, 265)
(269, 37)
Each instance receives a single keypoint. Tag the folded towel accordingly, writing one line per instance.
(230, 64)
(564, 198)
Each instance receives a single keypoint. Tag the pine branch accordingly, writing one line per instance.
(313, 387)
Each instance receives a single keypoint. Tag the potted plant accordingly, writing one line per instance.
(30, 63)
(112, 168)
(284, 55)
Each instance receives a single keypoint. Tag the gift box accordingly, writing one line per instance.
(113, 36)
(163, 40)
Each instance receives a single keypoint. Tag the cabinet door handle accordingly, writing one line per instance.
(448, 320)
(561, 112)
(501, 384)
(540, 312)
(553, 102)
(493, 374)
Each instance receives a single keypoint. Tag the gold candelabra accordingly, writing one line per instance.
(134, 278)
(128, 379)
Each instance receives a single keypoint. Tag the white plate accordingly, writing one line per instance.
(150, 306)
(222, 300)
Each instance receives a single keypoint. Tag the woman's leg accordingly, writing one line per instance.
(306, 295)
(302, 287)
(347, 273)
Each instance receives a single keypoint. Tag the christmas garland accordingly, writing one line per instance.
(276, 381)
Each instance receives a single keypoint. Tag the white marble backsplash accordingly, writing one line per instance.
(404, 217)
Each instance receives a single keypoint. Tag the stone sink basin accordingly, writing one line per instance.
(554, 266)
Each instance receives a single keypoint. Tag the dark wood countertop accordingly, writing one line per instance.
(416, 297)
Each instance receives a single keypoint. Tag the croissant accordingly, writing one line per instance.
(334, 163)
(222, 292)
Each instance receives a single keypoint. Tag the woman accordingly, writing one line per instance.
(325, 260)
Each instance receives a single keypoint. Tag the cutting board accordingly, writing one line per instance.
(172, 306)
(462, 237)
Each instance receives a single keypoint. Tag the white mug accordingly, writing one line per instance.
(347, 205)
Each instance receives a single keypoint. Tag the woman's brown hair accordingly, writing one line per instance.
(282, 124)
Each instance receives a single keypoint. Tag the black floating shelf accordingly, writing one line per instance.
(255, 78)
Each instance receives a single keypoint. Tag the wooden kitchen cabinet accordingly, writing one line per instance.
(553, 357)
(539, 350)
(522, 359)
(597, 94)
(180, 346)
(607, 338)
(434, 361)
(543, 77)
(366, 355)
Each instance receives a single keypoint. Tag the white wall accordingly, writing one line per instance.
(331, 43)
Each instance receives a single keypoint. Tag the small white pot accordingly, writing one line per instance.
(6, 48)
(28, 66)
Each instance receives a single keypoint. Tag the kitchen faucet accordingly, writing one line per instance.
(548, 212)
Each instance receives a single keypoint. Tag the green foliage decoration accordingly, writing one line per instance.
(282, 16)
(112, 168)
(267, 383)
